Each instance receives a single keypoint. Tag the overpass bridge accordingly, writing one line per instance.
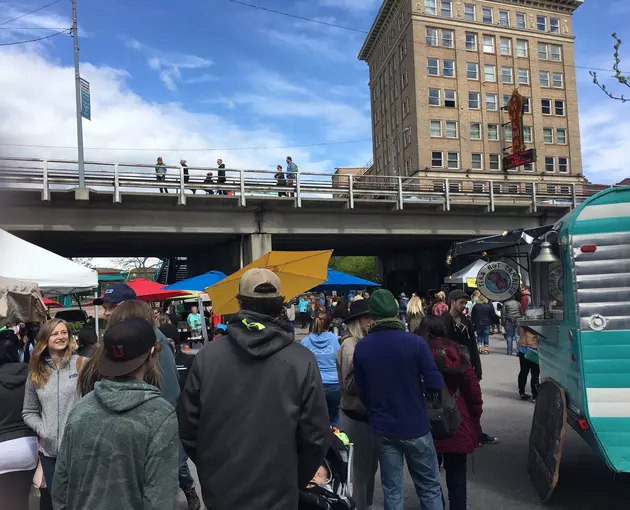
(406, 221)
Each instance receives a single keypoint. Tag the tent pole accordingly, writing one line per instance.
(96, 315)
(204, 328)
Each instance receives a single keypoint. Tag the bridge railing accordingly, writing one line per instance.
(47, 176)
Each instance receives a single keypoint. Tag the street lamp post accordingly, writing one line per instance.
(394, 149)
(77, 90)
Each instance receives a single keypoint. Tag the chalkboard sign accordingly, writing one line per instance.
(547, 438)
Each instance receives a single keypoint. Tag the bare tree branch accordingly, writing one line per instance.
(84, 261)
(618, 76)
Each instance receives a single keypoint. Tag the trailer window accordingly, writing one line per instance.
(547, 283)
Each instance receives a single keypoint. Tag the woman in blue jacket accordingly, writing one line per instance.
(324, 345)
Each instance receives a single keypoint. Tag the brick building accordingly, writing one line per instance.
(441, 71)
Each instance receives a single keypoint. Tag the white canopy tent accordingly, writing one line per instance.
(55, 275)
(470, 271)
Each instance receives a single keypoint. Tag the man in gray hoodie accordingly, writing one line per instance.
(120, 447)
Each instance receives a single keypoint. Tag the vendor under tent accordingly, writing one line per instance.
(341, 281)
(55, 275)
(466, 276)
(20, 301)
(198, 283)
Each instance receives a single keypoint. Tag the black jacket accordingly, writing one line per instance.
(464, 334)
(12, 383)
(483, 315)
(253, 416)
(184, 363)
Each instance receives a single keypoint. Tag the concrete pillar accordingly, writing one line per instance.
(255, 246)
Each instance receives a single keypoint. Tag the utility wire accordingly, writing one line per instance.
(14, 43)
(30, 28)
(366, 31)
(233, 149)
(289, 15)
(31, 12)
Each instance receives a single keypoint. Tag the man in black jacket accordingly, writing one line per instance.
(460, 329)
(253, 414)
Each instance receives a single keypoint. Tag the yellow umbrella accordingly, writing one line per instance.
(298, 271)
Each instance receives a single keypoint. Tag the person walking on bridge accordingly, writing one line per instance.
(160, 173)
(221, 179)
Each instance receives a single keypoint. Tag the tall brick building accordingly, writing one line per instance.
(441, 71)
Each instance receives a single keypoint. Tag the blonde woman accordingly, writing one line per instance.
(415, 313)
(51, 390)
(440, 308)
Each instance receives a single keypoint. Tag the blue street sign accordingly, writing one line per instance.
(85, 100)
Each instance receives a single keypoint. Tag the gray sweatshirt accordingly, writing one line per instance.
(46, 409)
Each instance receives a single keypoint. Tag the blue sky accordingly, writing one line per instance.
(214, 74)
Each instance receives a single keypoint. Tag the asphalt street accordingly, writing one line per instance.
(497, 474)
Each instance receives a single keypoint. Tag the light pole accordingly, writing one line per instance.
(77, 90)
(394, 149)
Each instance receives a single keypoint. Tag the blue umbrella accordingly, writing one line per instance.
(342, 281)
(198, 283)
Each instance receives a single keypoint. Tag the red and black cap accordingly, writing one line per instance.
(127, 346)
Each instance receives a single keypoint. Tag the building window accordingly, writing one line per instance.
(548, 135)
(543, 51)
(436, 128)
(504, 18)
(472, 71)
(521, 48)
(507, 75)
(471, 41)
(447, 8)
(433, 67)
(493, 132)
(523, 76)
(486, 15)
(491, 102)
(408, 165)
(451, 129)
(449, 69)
(473, 100)
(434, 98)
(405, 107)
(488, 44)
(554, 25)
(429, 6)
(404, 78)
(527, 134)
(490, 73)
(559, 107)
(563, 165)
(402, 49)
(406, 137)
(507, 133)
(469, 12)
(494, 162)
(450, 99)
(520, 20)
(506, 100)
(558, 80)
(541, 23)
(526, 106)
(477, 161)
(544, 79)
(546, 106)
(447, 38)
(556, 53)
(528, 167)
(437, 160)
(475, 131)
(505, 43)
(549, 164)
(432, 36)
(561, 136)
(453, 159)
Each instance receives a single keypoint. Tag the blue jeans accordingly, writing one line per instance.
(333, 400)
(186, 481)
(511, 334)
(423, 467)
(483, 336)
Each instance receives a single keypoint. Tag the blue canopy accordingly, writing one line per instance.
(199, 283)
(342, 281)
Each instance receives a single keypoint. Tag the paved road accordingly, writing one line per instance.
(500, 480)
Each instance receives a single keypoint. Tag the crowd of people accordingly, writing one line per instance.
(113, 427)
(283, 178)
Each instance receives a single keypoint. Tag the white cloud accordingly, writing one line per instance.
(36, 115)
(324, 48)
(170, 65)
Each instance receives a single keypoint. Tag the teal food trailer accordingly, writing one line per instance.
(579, 273)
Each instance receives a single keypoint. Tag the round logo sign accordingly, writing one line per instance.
(555, 283)
(498, 281)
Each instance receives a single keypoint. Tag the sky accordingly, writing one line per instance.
(253, 85)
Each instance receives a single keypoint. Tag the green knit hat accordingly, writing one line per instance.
(383, 305)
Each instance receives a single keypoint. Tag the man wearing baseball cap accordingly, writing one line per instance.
(253, 414)
(120, 445)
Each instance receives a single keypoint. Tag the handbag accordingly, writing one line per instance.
(443, 414)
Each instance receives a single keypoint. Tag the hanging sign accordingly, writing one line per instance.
(498, 281)
(86, 107)
(555, 284)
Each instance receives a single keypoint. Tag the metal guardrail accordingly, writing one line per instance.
(46, 176)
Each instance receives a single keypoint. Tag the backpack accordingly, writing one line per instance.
(443, 414)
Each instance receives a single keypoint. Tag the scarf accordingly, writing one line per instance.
(387, 324)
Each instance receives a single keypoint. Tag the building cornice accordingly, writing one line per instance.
(381, 18)
(551, 5)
